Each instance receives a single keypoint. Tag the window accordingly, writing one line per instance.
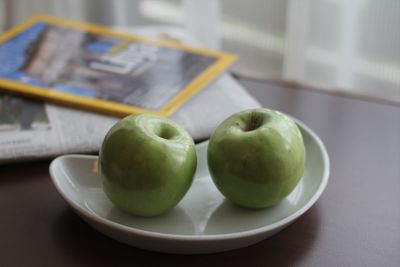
(329, 44)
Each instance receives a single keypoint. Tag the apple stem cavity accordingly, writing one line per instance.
(254, 121)
(166, 132)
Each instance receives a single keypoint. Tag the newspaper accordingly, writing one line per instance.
(31, 130)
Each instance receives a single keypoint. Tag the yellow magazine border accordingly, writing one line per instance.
(224, 60)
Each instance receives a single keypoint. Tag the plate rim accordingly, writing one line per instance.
(193, 237)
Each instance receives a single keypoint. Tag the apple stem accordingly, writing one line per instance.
(254, 122)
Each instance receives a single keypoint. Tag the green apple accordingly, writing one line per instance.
(256, 157)
(147, 164)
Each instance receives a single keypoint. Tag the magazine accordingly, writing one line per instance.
(89, 66)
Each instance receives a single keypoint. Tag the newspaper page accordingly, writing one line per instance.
(32, 129)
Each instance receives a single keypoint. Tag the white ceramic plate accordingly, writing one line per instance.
(203, 222)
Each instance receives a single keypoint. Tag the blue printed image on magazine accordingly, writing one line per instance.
(99, 66)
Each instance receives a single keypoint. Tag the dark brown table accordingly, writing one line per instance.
(356, 222)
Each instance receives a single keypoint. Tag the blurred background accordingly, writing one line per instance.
(342, 45)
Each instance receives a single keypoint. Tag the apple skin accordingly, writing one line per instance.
(256, 157)
(147, 164)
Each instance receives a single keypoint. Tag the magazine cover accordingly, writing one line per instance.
(93, 67)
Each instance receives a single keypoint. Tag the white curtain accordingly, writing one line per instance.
(331, 44)
(115, 13)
